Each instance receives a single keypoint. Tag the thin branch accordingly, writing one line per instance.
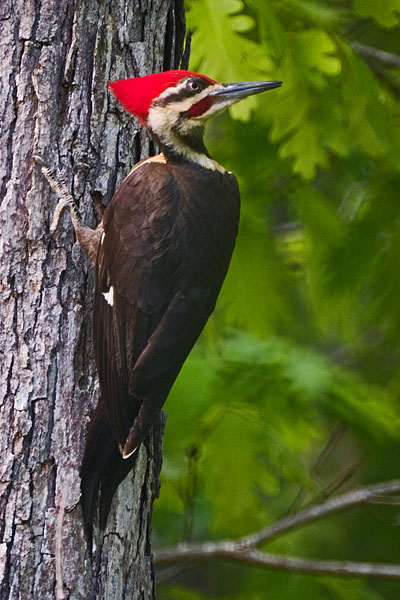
(393, 60)
(337, 434)
(335, 437)
(339, 481)
(386, 500)
(244, 550)
(313, 513)
(210, 427)
(374, 58)
(193, 453)
(233, 552)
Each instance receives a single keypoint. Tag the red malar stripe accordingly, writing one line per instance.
(200, 107)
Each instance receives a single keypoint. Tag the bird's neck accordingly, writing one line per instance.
(190, 147)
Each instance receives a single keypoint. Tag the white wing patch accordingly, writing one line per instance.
(109, 296)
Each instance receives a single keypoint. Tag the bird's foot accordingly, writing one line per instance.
(65, 200)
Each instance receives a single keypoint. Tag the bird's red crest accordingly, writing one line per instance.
(137, 94)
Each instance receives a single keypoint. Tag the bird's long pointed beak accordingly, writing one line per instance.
(236, 91)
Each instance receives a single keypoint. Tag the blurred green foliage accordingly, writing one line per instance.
(304, 345)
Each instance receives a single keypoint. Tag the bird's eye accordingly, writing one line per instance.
(194, 85)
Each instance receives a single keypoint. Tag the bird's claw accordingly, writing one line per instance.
(65, 200)
(62, 204)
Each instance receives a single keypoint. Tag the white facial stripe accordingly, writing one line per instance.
(175, 89)
(162, 119)
(184, 104)
(215, 109)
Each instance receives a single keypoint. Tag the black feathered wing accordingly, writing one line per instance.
(161, 262)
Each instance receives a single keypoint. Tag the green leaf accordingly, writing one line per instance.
(305, 376)
(386, 13)
(252, 296)
(314, 50)
(306, 149)
(318, 13)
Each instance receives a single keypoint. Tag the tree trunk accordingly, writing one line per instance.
(56, 59)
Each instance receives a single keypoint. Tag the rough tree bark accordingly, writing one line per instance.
(56, 59)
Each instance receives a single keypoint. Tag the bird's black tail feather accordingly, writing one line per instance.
(102, 470)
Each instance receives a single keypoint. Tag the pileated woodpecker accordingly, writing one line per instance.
(160, 254)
